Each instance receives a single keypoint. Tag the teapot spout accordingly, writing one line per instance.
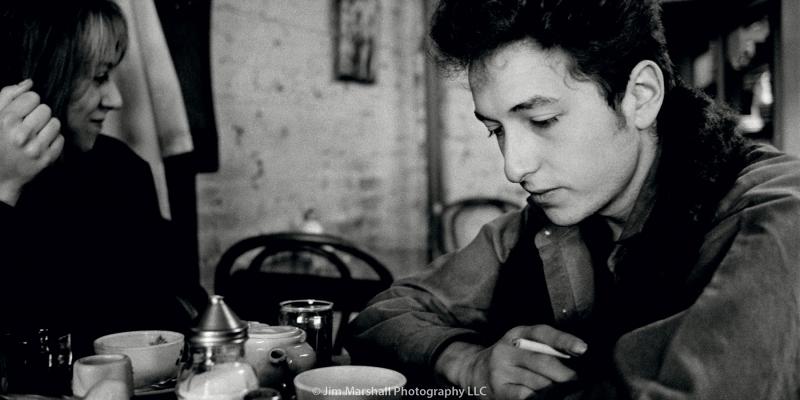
(277, 356)
(275, 371)
(300, 357)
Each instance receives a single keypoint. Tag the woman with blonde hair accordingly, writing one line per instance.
(83, 246)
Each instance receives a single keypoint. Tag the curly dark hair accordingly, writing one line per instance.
(604, 39)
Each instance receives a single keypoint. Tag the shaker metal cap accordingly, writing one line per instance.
(218, 324)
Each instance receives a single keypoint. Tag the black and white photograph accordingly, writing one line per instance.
(400, 199)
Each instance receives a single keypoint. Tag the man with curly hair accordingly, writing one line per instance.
(659, 248)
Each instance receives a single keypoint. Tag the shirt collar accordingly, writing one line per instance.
(643, 205)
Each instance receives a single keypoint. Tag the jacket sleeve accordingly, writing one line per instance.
(9, 241)
(7, 221)
(19, 303)
(739, 340)
(408, 325)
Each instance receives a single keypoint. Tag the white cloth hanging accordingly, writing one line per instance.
(153, 119)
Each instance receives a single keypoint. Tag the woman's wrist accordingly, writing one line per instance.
(9, 193)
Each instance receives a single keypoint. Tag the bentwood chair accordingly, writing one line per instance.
(460, 221)
(294, 265)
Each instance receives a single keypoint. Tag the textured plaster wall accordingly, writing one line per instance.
(293, 138)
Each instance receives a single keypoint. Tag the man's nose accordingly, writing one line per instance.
(112, 98)
(521, 155)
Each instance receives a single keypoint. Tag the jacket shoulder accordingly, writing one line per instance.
(770, 180)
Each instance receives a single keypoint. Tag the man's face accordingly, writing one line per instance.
(559, 138)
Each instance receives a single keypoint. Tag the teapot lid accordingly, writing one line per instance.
(260, 330)
(218, 325)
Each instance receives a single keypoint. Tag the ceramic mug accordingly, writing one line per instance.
(277, 353)
(89, 371)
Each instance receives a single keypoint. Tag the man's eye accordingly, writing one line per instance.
(545, 123)
(496, 131)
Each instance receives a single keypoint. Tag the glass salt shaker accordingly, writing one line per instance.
(217, 368)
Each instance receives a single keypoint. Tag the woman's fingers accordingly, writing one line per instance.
(13, 115)
(56, 144)
(32, 124)
(42, 142)
(9, 93)
(30, 139)
(19, 107)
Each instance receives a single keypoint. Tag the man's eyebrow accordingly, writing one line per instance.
(533, 102)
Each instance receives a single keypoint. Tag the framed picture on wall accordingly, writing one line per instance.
(357, 24)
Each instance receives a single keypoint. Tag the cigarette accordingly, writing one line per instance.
(537, 347)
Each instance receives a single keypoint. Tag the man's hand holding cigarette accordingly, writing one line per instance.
(536, 347)
(525, 360)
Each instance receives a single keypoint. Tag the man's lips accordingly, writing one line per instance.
(544, 196)
(539, 192)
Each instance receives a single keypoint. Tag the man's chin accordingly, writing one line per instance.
(563, 217)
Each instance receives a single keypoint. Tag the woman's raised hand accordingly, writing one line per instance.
(29, 138)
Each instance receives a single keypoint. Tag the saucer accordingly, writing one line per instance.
(155, 389)
(151, 392)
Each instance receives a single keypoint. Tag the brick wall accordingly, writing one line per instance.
(293, 138)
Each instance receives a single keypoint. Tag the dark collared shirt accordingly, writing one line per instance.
(567, 261)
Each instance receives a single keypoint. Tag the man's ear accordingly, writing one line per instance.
(644, 94)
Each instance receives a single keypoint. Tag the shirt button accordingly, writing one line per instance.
(564, 311)
(547, 232)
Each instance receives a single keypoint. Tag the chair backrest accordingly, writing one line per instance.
(460, 221)
(255, 291)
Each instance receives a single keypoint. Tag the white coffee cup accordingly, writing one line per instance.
(349, 382)
(88, 371)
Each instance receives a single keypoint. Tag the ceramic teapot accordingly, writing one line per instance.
(277, 353)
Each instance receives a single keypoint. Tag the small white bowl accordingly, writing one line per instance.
(155, 355)
(349, 382)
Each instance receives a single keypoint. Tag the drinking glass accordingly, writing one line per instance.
(315, 317)
(37, 361)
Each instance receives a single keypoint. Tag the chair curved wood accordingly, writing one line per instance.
(450, 231)
(254, 291)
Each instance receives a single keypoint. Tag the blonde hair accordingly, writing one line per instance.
(58, 43)
(103, 40)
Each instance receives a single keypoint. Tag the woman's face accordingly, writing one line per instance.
(94, 97)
